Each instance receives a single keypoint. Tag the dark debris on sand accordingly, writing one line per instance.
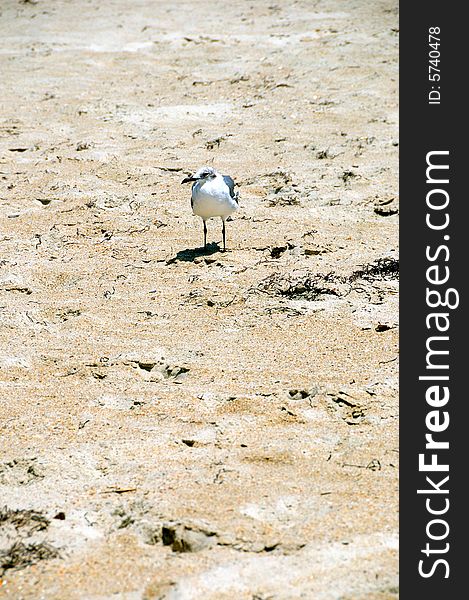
(312, 286)
(20, 555)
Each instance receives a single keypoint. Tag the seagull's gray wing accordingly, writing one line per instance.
(231, 185)
(192, 194)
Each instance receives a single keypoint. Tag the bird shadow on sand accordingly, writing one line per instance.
(190, 254)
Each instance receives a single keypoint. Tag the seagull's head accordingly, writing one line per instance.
(202, 174)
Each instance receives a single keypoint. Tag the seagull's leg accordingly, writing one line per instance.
(224, 234)
(205, 233)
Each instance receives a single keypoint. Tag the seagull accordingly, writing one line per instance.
(213, 195)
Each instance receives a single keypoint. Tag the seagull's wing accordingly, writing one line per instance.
(231, 185)
(192, 194)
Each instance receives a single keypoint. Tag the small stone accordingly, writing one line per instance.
(184, 539)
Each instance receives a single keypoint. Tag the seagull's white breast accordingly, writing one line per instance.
(211, 198)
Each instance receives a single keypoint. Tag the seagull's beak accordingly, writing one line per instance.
(188, 179)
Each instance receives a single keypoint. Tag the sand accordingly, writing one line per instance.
(184, 424)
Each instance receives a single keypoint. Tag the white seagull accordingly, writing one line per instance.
(213, 195)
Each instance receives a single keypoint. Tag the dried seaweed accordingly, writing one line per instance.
(313, 286)
(20, 556)
(23, 519)
(382, 269)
